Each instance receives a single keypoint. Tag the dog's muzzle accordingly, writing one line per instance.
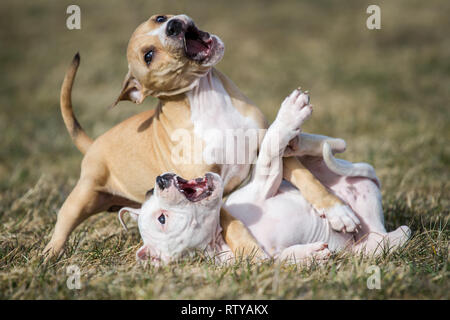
(194, 190)
(164, 180)
(174, 28)
(199, 45)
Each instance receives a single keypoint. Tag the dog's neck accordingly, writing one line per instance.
(214, 91)
(212, 108)
(207, 105)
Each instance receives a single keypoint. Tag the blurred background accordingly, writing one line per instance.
(386, 92)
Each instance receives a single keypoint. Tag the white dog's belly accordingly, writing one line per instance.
(363, 195)
(284, 220)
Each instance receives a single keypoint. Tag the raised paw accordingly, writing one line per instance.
(294, 110)
(342, 218)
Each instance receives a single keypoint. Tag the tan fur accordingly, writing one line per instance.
(121, 165)
(311, 188)
(79, 137)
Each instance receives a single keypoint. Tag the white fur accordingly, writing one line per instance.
(188, 225)
(286, 225)
(282, 221)
(214, 115)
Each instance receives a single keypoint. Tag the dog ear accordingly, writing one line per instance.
(134, 213)
(143, 253)
(149, 193)
(132, 90)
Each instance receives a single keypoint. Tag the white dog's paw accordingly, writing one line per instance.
(294, 110)
(306, 254)
(319, 251)
(342, 218)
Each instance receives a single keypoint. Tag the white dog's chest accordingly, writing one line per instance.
(230, 139)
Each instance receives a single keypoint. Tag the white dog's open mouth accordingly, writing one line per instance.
(198, 45)
(196, 189)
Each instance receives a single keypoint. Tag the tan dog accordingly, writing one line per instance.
(171, 59)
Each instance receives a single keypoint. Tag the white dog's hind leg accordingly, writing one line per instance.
(305, 253)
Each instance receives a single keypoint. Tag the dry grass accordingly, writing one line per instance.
(385, 92)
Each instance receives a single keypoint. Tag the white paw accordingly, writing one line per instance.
(342, 218)
(306, 254)
(398, 237)
(319, 251)
(294, 110)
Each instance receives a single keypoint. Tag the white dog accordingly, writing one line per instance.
(180, 216)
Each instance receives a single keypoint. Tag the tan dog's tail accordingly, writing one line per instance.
(79, 137)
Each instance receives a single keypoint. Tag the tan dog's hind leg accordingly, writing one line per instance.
(238, 238)
(340, 216)
(82, 202)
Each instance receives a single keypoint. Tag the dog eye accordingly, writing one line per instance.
(161, 19)
(162, 218)
(148, 57)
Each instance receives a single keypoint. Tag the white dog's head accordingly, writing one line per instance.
(178, 216)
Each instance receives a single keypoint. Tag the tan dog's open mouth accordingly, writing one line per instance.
(198, 45)
(196, 189)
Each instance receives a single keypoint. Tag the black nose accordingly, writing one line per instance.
(164, 180)
(174, 27)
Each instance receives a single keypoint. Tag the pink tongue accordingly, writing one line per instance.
(194, 46)
(192, 182)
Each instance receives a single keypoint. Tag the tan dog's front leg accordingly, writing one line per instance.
(82, 202)
(340, 216)
(238, 238)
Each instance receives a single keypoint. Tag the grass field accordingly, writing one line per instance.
(386, 92)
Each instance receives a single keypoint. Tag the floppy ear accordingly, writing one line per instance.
(134, 213)
(131, 90)
(149, 193)
(143, 253)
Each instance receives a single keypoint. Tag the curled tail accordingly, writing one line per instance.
(79, 137)
(345, 168)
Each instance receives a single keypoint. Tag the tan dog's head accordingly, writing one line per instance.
(166, 55)
(178, 217)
